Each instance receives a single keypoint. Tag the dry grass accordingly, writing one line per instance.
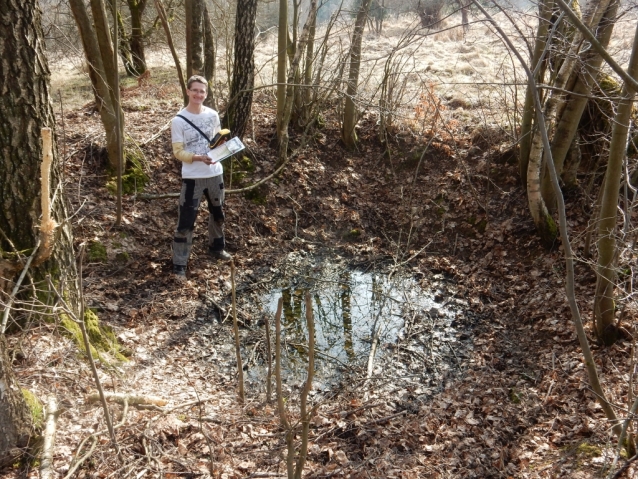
(474, 73)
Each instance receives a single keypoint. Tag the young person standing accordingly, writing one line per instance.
(191, 131)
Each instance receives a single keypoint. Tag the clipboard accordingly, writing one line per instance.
(220, 153)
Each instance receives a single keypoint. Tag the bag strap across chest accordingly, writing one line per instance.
(195, 126)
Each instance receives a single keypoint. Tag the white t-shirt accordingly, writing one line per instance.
(194, 142)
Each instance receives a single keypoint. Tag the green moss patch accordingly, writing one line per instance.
(96, 252)
(36, 409)
(101, 337)
(134, 178)
(588, 450)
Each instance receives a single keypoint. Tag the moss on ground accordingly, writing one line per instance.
(134, 178)
(101, 337)
(97, 252)
(36, 409)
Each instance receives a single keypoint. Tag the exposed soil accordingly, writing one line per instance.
(448, 208)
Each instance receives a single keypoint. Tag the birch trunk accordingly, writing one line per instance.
(604, 305)
(348, 133)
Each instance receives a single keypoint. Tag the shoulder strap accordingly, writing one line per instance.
(194, 126)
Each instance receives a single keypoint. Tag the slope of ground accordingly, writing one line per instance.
(438, 201)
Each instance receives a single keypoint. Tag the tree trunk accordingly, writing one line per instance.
(15, 420)
(196, 15)
(171, 46)
(604, 305)
(26, 109)
(348, 134)
(527, 121)
(209, 58)
(308, 71)
(136, 39)
(124, 44)
(574, 105)
(241, 92)
(282, 48)
(100, 77)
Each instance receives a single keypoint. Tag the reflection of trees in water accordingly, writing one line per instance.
(336, 312)
(292, 309)
(346, 313)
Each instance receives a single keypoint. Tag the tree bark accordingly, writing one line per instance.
(196, 15)
(26, 109)
(574, 104)
(348, 133)
(100, 77)
(604, 304)
(527, 120)
(15, 421)
(209, 59)
(282, 48)
(241, 92)
(136, 39)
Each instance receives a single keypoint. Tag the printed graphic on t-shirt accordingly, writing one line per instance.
(193, 140)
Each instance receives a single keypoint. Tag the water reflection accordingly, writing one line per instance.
(351, 308)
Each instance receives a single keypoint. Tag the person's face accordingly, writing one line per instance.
(196, 93)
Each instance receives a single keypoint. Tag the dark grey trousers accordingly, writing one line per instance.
(190, 198)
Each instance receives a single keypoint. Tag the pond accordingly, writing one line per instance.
(411, 331)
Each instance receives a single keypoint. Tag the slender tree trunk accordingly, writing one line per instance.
(188, 14)
(282, 49)
(124, 45)
(241, 92)
(169, 39)
(26, 109)
(197, 13)
(527, 121)
(348, 133)
(290, 90)
(100, 78)
(308, 72)
(604, 305)
(209, 58)
(136, 40)
(574, 104)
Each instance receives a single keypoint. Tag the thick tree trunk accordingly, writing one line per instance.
(15, 422)
(348, 133)
(604, 305)
(241, 92)
(25, 107)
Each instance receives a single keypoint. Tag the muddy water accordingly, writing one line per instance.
(413, 331)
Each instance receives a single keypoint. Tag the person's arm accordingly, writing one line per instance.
(186, 156)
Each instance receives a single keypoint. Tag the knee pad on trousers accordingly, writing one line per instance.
(187, 216)
(218, 214)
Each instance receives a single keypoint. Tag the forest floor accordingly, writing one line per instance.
(444, 206)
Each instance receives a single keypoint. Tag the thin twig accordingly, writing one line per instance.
(7, 308)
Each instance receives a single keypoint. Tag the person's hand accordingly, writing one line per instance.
(203, 158)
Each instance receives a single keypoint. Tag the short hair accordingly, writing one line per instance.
(196, 78)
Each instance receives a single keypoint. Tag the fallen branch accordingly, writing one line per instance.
(46, 460)
(131, 399)
(240, 369)
(383, 419)
(94, 437)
